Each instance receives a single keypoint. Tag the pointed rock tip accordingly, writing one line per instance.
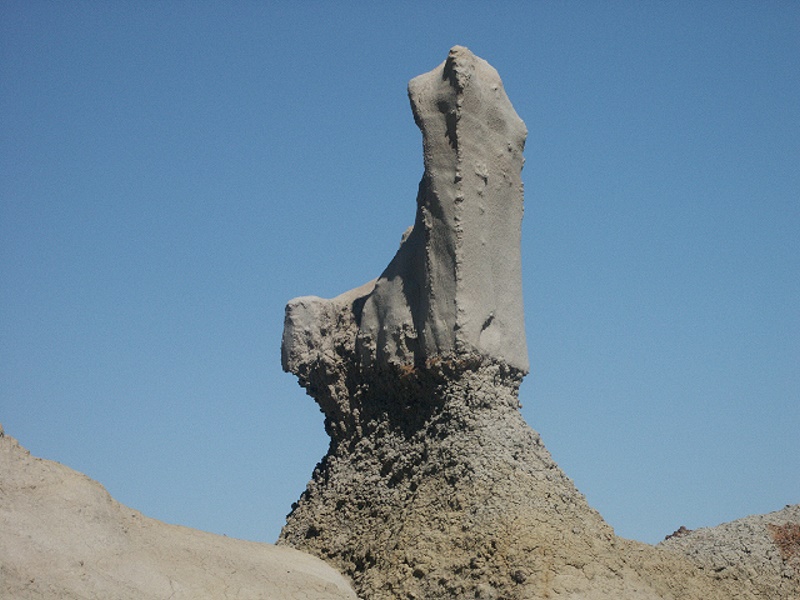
(458, 49)
(458, 56)
(463, 66)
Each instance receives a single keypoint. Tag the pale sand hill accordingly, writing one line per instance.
(63, 536)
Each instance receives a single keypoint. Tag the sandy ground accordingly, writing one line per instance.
(63, 536)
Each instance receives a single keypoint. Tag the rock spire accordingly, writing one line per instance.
(434, 486)
(454, 288)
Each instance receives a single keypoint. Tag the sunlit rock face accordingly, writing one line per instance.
(434, 486)
(454, 287)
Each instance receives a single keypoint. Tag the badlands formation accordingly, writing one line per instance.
(433, 487)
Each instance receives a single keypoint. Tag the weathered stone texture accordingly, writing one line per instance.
(434, 486)
(454, 288)
(760, 553)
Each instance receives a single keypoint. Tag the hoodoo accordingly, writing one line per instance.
(434, 486)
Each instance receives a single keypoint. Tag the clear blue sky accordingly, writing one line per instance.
(172, 173)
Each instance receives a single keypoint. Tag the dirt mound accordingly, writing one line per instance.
(760, 553)
(63, 536)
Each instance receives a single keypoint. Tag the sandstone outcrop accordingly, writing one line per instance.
(62, 536)
(434, 486)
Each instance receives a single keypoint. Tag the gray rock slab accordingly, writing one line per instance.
(454, 288)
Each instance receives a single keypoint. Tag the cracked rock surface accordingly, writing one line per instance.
(63, 536)
(434, 486)
(760, 553)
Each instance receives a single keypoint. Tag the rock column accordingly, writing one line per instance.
(434, 486)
